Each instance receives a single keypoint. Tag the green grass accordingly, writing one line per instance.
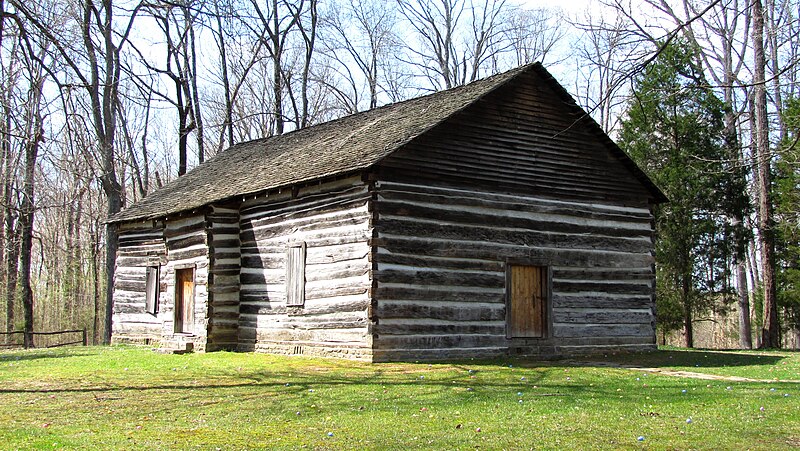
(749, 364)
(132, 398)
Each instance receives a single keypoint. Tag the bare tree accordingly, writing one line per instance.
(454, 38)
(240, 46)
(608, 52)
(307, 21)
(721, 36)
(277, 23)
(95, 61)
(359, 40)
(532, 34)
(770, 335)
(176, 22)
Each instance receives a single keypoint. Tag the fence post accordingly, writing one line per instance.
(85, 343)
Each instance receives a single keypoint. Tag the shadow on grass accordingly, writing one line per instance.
(37, 354)
(697, 358)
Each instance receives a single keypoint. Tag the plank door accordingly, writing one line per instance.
(526, 301)
(184, 300)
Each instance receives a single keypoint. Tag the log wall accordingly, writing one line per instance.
(175, 243)
(515, 178)
(140, 245)
(333, 221)
(524, 138)
(223, 278)
(442, 255)
(187, 247)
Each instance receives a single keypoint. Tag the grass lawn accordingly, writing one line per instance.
(129, 398)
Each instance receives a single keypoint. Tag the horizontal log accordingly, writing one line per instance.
(442, 328)
(316, 258)
(482, 250)
(139, 241)
(416, 354)
(131, 306)
(175, 230)
(597, 301)
(441, 310)
(321, 201)
(312, 225)
(352, 206)
(220, 318)
(335, 292)
(355, 335)
(406, 184)
(346, 271)
(603, 316)
(227, 254)
(337, 305)
(438, 341)
(189, 241)
(177, 255)
(603, 330)
(627, 274)
(225, 243)
(130, 285)
(336, 239)
(387, 260)
(578, 286)
(605, 341)
(499, 234)
(139, 256)
(436, 278)
(222, 289)
(484, 217)
(491, 201)
(385, 292)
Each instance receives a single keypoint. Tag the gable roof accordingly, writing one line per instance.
(337, 147)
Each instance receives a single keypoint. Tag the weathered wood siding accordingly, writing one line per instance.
(333, 221)
(140, 245)
(441, 272)
(521, 138)
(175, 243)
(512, 179)
(223, 278)
(187, 247)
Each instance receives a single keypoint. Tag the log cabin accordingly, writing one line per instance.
(491, 219)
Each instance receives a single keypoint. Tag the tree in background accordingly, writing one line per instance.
(786, 194)
(673, 129)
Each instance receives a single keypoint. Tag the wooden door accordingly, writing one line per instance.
(527, 299)
(184, 300)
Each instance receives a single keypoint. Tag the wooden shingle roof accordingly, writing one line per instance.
(337, 147)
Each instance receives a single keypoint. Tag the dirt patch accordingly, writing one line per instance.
(687, 374)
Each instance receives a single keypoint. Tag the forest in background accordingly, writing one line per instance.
(104, 101)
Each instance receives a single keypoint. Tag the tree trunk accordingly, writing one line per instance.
(766, 234)
(277, 76)
(745, 331)
(226, 85)
(687, 314)
(27, 209)
(12, 266)
(192, 72)
(96, 289)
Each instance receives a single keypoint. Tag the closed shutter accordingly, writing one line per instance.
(152, 288)
(296, 275)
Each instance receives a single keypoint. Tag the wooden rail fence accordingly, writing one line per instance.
(13, 344)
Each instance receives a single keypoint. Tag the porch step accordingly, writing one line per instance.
(175, 348)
